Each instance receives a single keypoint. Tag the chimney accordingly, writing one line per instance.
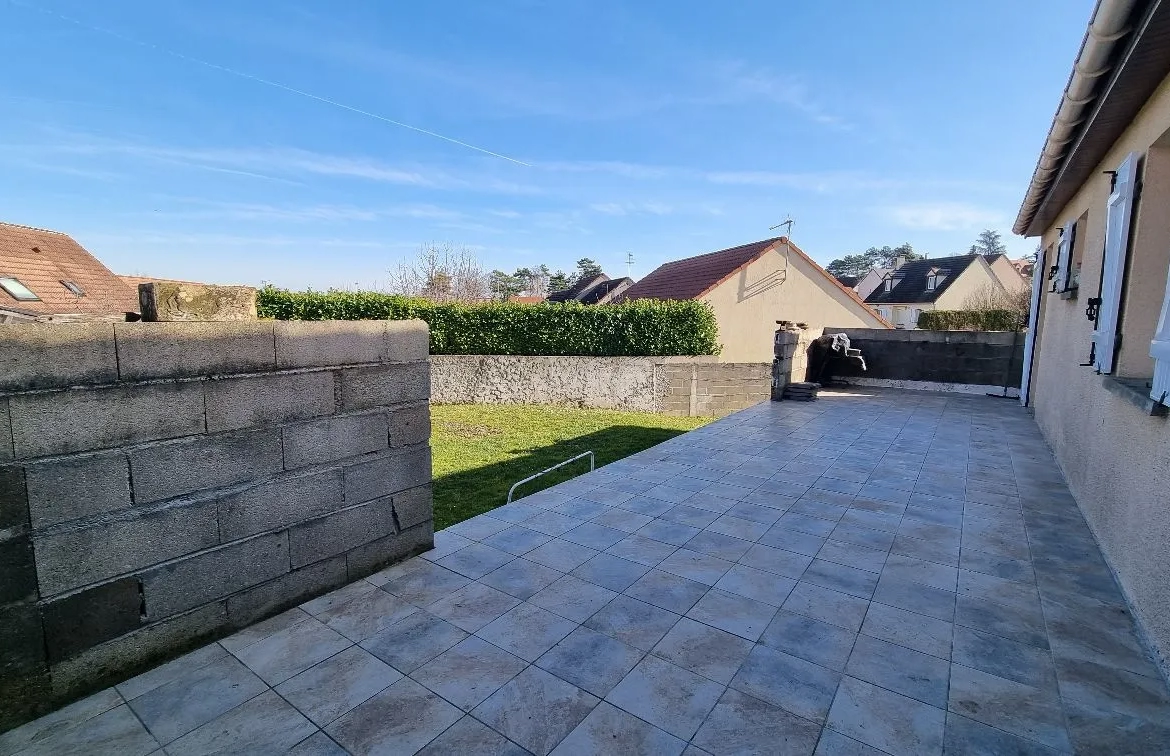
(899, 261)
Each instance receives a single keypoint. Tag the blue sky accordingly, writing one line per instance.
(665, 129)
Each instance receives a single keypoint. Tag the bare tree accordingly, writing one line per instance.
(993, 296)
(441, 273)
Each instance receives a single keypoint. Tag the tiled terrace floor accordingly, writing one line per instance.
(880, 572)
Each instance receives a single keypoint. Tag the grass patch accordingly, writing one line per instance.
(481, 450)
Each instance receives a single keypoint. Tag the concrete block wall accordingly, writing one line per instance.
(938, 359)
(674, 385)
(165, 483)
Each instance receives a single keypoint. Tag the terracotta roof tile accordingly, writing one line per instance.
(42, 259)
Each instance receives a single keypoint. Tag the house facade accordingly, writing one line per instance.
(46, 273)
(942, 283)
(752, 286)
(1097, 368)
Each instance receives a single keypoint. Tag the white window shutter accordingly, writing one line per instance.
(1063, 278)
(1160, 351)
(1113, 266)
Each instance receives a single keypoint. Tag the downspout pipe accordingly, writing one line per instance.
(1108, 27)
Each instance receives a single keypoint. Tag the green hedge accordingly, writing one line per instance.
(970, 320)
(640, 328)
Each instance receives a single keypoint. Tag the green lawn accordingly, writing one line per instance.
(481, 450)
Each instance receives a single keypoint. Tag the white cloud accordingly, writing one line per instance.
(632, 208)
(941, 216)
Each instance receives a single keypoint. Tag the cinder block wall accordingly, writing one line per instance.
(978, 358)
(165, 483)
(715, 388)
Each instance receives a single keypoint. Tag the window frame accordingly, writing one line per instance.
(33, 296)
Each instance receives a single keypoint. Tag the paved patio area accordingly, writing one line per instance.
(875, 572)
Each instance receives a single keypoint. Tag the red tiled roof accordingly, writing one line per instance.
(41, 259)
(695, 276)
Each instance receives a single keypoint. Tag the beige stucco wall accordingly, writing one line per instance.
(1116, 458)
(970, 281)
(748, 304)
(1007, 275)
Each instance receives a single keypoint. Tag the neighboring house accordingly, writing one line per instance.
(849, 282)
(752, 286)
(1024, 267)
(598, 289)
(526, 300)
(870, 281)
(1008, 275)
(1097, 202)
(941, 283)
(46, 273)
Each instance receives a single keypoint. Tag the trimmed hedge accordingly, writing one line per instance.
(969, 320)
(640, 328)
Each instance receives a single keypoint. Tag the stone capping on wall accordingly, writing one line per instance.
(166, 483)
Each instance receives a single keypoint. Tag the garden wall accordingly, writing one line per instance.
(675, 385)
(165, 483)
(963, 361)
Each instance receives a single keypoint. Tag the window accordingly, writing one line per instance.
(1117, 222)
(934, 278)
(17, 290)
(1062, 269)
(888, 284)
(73, 288)
(1160, 351)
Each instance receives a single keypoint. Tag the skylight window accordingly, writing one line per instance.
(17, 290)
(74, 288)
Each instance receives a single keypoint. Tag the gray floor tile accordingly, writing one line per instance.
(401, 719)
(809, 639)
(900, 669)
(336, 598)
(931, 551)
(411, 643)
(917, 598)
(607, 495)
(479, 527)
(582, 509)
(887, 720)
(807, 524)
(1002, 657)
(759, 585)
(789, 564)
(609, 731)
(610, 572)
(265, 724)
(841, 578)
(1022, 596)
(521, 578)
(667, 591)
(536, 710)
(966, 736)
(793, 684)
(1019, 709)
(758, 513)
(684, 514)
(651, 507)
(561, 555)
(473, 607)
(164, 674)
(991, 564)
(115, 731)
(941, 576)
(852, 555)
(552, 523)
(827, 605)
(262, 630)
(622, 519)
(916, 631)
(573, 598)
(668, 493)
(468, 672)
(719, 545)
(594, 536)
(1095, 730)
(197, 697)
(446, 542)
(633, 622)
(816, 508)
(666, 696)
(986, 616)
(426, 584)
(592, 661)
(518, 539)
(475, 560)
(527, 631)
(741, 724)
(368, 614)
(1104, 687)
(862, 536)
(642, 550)
(330, 688)
(833, 743)
(317, 744)
(704, 650)
(60, 721)
(470, 736)
(674, 533)
(292, 650)
(695, 565)
(781, 537)
(739, 615)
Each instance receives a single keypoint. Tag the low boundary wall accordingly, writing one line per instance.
(162, 484)
(696, 386)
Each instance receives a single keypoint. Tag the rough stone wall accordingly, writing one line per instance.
(970, 358)
(165, 483)
(676, 385)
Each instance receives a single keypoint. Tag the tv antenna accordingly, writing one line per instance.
(788, 222)
(629, 263)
